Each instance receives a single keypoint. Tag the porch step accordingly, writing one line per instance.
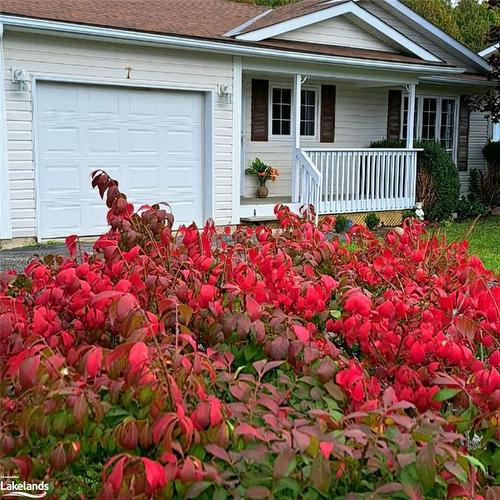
(258, 219)
(270, 200)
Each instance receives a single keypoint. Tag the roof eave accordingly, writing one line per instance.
(230, 47)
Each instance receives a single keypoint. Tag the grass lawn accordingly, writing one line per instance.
(484, 240)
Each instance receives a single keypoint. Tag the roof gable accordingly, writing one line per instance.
(332, 9)
(338, 31)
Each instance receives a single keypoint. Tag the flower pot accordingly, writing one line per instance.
(262, 192)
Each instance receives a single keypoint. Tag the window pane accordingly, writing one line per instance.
(447, 132)
(285, 111)
(307, 112)
(429, 119)
(276, 127)
(405, 118)
(281, 111)
(285, 127)
(276, 111)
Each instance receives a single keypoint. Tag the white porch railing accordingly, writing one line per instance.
(309, 181)
(357, 180)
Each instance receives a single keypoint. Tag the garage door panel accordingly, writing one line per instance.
(144, 141)
(104, 140)
(58, 180)
(60, 100)
(150, 141)
(105, 102)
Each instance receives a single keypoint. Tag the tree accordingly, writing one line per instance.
(474, 21)
(438, 12)
(489, 102)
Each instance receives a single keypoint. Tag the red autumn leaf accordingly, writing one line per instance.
(326, 448)
(253, 308)
(155, 473)
(161, 425)
(215, 412)
(138, 357)
(126, 304)
(94, 361)
(218, 452)
(28, 370)
(116, 476)
(24, 464)
(71, 245)
(302, 333)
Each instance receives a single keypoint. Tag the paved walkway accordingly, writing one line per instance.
(17, 258)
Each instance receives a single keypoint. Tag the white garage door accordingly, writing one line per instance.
(149, 140)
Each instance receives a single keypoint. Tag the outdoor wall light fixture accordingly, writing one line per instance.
(20, 77)
(223, 93)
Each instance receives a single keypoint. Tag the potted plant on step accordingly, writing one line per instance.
(263, 173)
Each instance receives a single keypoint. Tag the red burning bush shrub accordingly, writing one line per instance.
(283, 365)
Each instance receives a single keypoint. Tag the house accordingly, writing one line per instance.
(175, 97)
(487, 53)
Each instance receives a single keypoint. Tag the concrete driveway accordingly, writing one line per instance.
(17, 258)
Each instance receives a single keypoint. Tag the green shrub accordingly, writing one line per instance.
(445, 181)
(492, 153)
(372, 220)
(407, 214)
(470, 207)
(389, 144)
(341, 224)
(486, 185)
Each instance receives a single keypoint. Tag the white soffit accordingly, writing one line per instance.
(356, 14)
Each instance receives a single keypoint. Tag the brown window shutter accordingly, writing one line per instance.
(327, 124)
(463, 133)
(260, 110)
(394, 114)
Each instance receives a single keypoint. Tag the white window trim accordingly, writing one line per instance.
(317, 100)
(419, 112)
(273, 86)
(317, 91)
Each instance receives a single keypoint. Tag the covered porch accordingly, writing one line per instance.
(340, 173)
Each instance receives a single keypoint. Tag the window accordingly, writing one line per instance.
(281, 111)
(435, 120)
(308, 113)
(429, 119)
(405, 118)
(447, 134)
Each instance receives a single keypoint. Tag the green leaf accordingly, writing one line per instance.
(456, 470)
(335, 313)
(446, 393)
(474, 461)
(321, 474)
(220, 494)
(283, 464)
(287, 483)
(426, 470)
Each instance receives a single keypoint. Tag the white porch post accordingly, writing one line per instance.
(5, 221)
(410, 128)
(297, 87)
(237, 138)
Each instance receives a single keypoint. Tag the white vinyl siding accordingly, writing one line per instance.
(337, 31)
(82, 60)
(361, 117)
(479, 132)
